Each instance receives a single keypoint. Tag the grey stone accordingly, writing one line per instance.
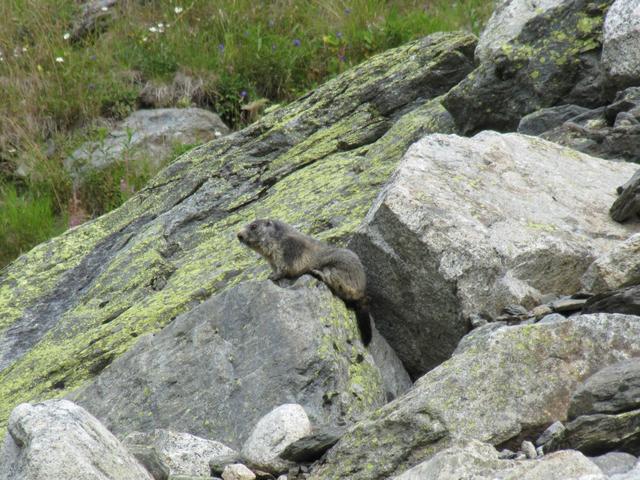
(58, 439)
(614, 463)
(627, 205)
(613, 389)
(528, 449)
(541, 311)
(568, 304)
(546, 119)
(95, 16)
(150, 459)
(621, 42)
(514, 384)
(618, 267)
(217, 464)
(552, 59)
(480, 461)
(507, 22)
(313, 446)
(622, 300)
(237, 471)
(149, 135)
(599, 433)
(475, 224)
(272, 434)
(554, 431)
(554, 317)
(258, 340)
(182, 453)
(600, 133)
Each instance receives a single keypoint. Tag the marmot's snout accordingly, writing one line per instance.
(241, 235)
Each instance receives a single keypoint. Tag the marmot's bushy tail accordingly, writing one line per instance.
(364, 320)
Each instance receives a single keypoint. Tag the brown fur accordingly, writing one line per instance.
(292, 253)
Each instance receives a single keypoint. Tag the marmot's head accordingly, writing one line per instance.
(260, 234)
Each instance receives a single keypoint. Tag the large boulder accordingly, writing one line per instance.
(480, 461)
(471, 225)
(237, 356)
(504, 387)
(57, 439)
(149, 135)
(553, 59)
(74, 304)
(621, 46)
(506, 23)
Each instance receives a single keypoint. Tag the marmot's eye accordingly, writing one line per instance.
(253, 226)
(268, 223)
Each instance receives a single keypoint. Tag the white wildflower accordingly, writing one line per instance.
(25, 49)
(161, 25)
(153, 29)
(66, 36)
(144, 39)
(104, 9)
(178, 10)
(59, 59)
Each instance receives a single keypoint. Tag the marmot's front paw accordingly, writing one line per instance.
(274, 277)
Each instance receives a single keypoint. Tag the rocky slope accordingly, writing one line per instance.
(480, 252)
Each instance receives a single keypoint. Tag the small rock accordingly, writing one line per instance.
(217, 463)
(477, 320)
(614, 463)
(150, 459)
(282, 477)
(541, 311)
(520, 456)
(237, 471)
(528, 449)
(312, 447)
(540, 451)
(568, 304)
(553, 431)
(507, 454)
(272, 434)
(554, 317)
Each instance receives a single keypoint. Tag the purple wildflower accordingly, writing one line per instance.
(339, 35)
(347, 11)
(221, 47)
(296, 42)
(243, 93)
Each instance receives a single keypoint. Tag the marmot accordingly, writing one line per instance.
(291, 254)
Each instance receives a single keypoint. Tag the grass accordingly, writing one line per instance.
(235, 52)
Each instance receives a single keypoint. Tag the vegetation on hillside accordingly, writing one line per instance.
(57, 93)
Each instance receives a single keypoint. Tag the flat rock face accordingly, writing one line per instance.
(58, 439)
(480, 461)
(613, 389)
(507, 387)
(236, 357)
(273, 434)
(182, 453)
(621, 45)
(475, 224)
(620, 266)
(150, 135)
(506, 23)
(72, 305)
